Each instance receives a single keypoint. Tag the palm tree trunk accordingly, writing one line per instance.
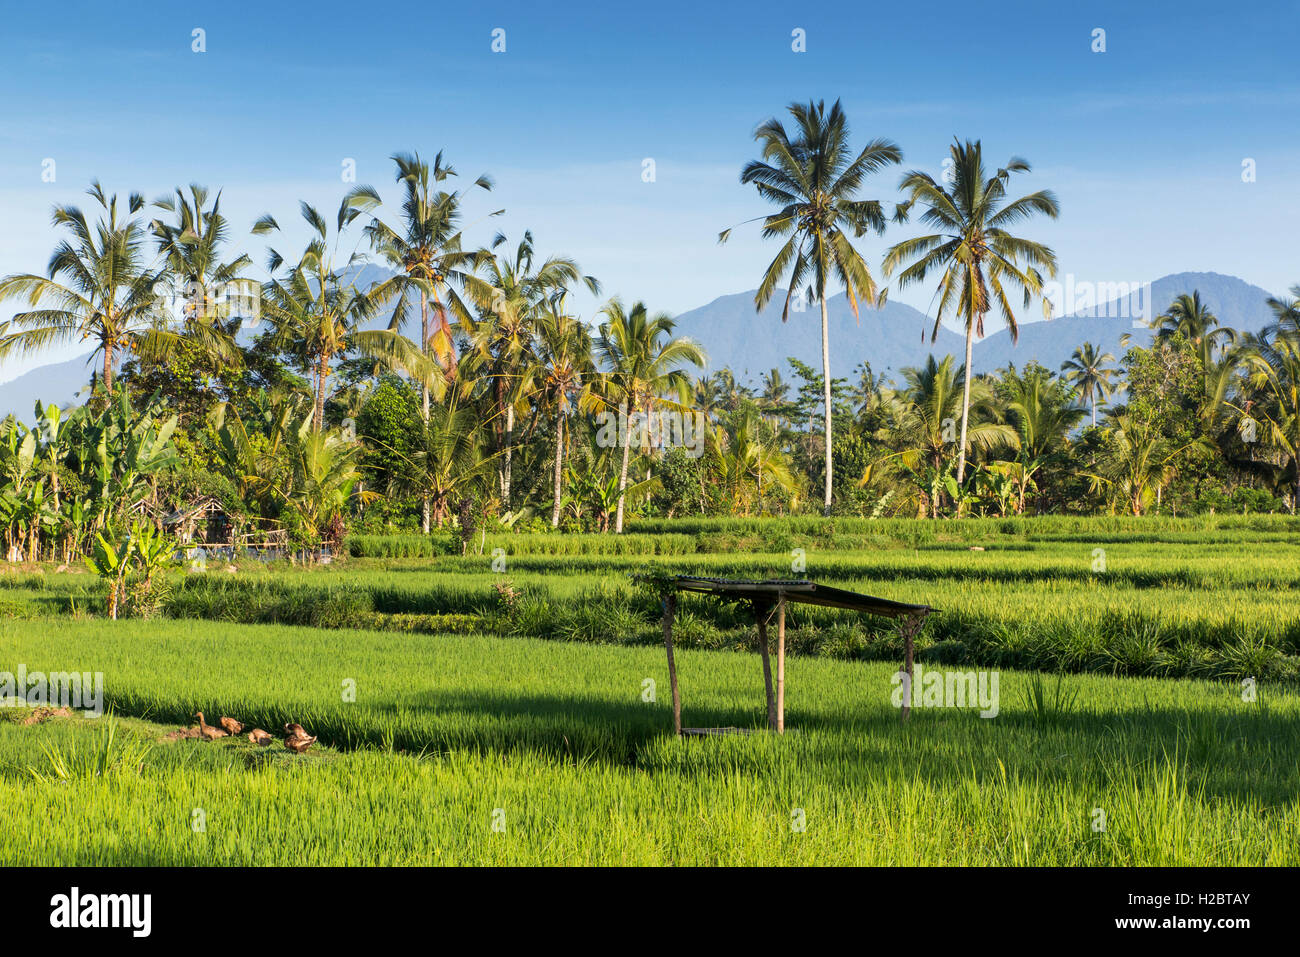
(826, 394)
(424, 394)
(965, 405)
(622, 476)
(510, 449)
(559, 467)
(108, 365)
(318, 409)
(1094, 411)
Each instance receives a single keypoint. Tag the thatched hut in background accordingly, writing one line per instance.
(202, 522)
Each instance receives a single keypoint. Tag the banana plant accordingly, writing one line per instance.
(998, 485)
(51, 434)
(111, 562)
(121, 447)
(17, 457)
(154, 551)
(74, 518)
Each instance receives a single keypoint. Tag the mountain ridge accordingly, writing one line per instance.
(898, 336)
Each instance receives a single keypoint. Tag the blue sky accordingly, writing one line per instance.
(1143, 143)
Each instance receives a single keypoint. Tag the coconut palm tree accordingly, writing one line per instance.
(1137, 461)
(98, 286)
(1088, 372)
(565, 368)
(213, 295)
(1286, 311)
(814, 177)
(918, 421)
(511, 295)
(1188, 316)
(426, 249)
(748, 463)
(318, 313)
(705, 395)
(1042, 411)
(775, 390)
(976, 256)
(643, 365)
(449, 462)
(322, 477)
(1273, 368)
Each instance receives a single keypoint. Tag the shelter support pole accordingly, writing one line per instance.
(670, 609)
(910, 626)
(780, 665)
(760, 619)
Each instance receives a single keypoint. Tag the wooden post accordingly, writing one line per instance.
(759, 619)
(780, 664)
(910, 626)
(670, 609)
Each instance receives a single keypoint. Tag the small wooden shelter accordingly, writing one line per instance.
(202, 522)
(767, 597)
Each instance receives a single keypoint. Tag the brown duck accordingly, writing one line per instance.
(206, 732)
(258, 736)
(232, 726)
(296, 739)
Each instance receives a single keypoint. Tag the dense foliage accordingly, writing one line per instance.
(308, 406)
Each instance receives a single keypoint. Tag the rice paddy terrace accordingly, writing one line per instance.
(465, 714)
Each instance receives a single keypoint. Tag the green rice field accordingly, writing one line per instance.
(1148, 714)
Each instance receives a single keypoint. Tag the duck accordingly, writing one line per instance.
(206, 732)
(258, 736)
(232, 726)
(296, 739)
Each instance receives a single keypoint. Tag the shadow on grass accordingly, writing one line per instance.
(1253, 755)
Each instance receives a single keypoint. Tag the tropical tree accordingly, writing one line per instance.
(1040, 407)
(98, 286)
(1136, 462)
(1189, 317)
(748, 462)
(449, 458)
(119, 449)
(317, 311)
(511, 295)
(18, 465)
(705, 395)
(918, 425)
(426, 248)
(973, 251)
(1088, 371)
(814, 177)
(775, 391)
(565, 369)
(1286, 313)
(1042, 410)
(322, 478)
(212, 293)
(1273, 369)
(111, 561)
(643, 366)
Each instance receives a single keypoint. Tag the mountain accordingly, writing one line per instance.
(751, 343)
(1237, 303)
(891, 338)
(58, 383)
